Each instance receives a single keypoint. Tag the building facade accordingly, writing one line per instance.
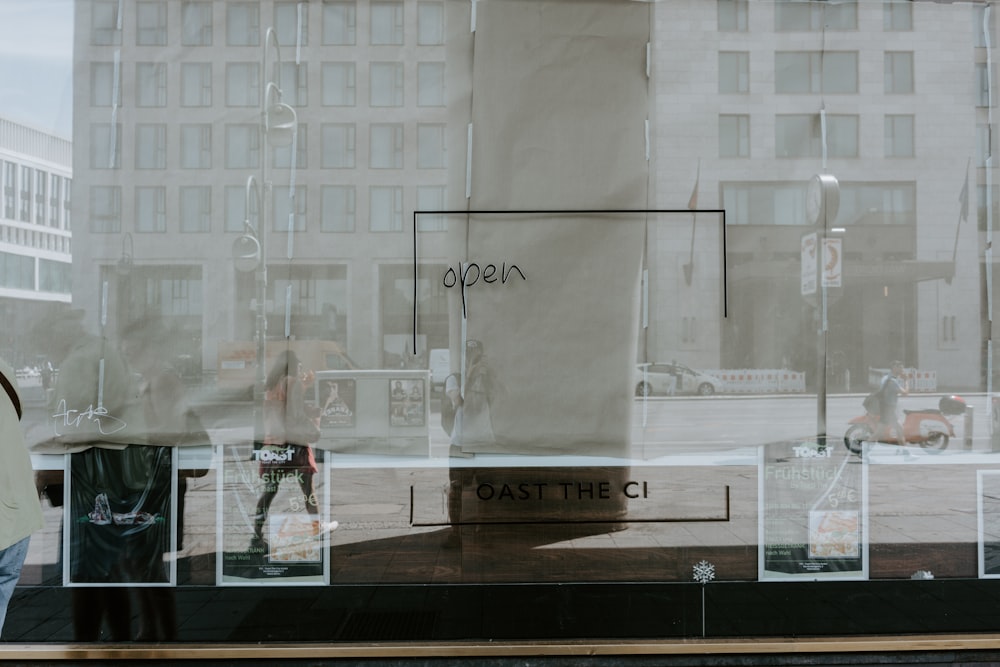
(35, 231)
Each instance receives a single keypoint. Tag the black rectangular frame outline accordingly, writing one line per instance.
(544, 522)
(609, 211)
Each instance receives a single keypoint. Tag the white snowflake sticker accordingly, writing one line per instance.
(704, 572)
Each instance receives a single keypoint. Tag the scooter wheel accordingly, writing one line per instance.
(855, 436)
(935, 442)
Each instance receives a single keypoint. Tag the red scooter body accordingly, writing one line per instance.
(928, 428)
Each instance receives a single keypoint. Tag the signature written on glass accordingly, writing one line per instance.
(66, 420)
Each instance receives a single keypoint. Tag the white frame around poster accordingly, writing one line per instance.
(244, 455)
(862, 574)
(981, 525)
(68, 523)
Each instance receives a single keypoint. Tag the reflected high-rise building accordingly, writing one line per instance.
(35, 232)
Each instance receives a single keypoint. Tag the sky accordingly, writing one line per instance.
(36, 64)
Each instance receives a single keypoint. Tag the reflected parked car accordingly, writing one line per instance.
(673, 378)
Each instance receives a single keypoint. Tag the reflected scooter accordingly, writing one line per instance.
(928, 428)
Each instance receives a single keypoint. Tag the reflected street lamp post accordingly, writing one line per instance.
(278, 123)
(822, 265)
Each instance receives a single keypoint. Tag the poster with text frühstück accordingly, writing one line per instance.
(812, 512)
(270, 527)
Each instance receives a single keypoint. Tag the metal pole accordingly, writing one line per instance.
(822, 345)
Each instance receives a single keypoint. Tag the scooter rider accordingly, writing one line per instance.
(893, 386)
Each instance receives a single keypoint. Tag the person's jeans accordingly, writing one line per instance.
(11, 560)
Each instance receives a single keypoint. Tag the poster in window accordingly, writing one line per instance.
(121, 517)
(406, 402)
(337, 403)
(272, 516)
(812, 512)
(988, 483)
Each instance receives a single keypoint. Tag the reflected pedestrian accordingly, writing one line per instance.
(288, 433)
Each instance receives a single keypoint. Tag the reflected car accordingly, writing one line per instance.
(673, 378)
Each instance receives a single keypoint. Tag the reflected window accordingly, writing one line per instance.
(236, 211)
(793, 15)
(431, 149)
(386, 147)
(105, 209)
(195, 208)
(899, 135)
(105, 29)
(281, 156)
(386, 208)
(877, 204)
(800, 135)
(151, 209)
(151, 23)
(294, 84)
(41, 196)
(55, 276)
(386, 85)
(289, 208)
(242, 24)
(338, 208)
(105, 85)
(242, 84)
(733, 15)
(897, 15)
(338, 146)
(339, 23)
(430, 23)
(984, 144)
(242, 146)
(816, 72)
(9, 189)
(430, 84)
(386, 23)
(431, 198)
(196, 84)
(339, 87)
(898, 72)
(985, 82)
(17, 271)
(171, 296)
(151, 146)
(151, 84)
(734, 136)
(67, 207)
(196, 24)
(55, 200)
(196, 146)
(291, 23)
(105, 146)
(24, 214)
(764, 203)
(734, 72)
(315, 298)
(988, 210)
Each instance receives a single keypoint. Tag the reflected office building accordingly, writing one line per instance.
(182, 152)
(35, 235)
